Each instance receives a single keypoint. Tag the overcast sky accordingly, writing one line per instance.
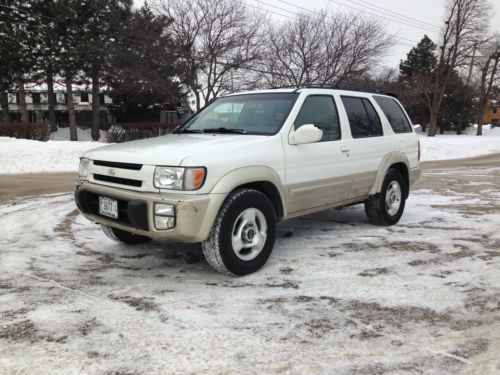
(400, 17)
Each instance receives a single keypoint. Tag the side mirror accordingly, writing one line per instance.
(307, 133)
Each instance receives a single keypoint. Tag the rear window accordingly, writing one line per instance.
(395, 115)
(363, 118)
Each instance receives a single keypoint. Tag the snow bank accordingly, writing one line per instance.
(62, 134)
(452, 146)
(26, 156)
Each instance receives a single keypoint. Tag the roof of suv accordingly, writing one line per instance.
(306, 89)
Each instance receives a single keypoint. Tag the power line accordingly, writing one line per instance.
(383, 17)
(398, 14)
(269, 10)
(309, 10)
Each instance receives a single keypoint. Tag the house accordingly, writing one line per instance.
(37, 101)
(492, 113)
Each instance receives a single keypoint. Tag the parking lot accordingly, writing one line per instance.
(338, 295)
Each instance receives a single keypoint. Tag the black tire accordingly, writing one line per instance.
(122, 236)
(218, 248)
(375, 207)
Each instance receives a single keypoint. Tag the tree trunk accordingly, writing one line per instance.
(96, 105)
(197, 96)
(433, 123)
(73, 135)
(23, 108)
(4, 103)
(52, 102)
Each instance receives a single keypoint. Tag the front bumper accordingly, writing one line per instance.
(195, 214)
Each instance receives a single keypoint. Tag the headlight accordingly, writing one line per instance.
(83, 171)
(178, 178)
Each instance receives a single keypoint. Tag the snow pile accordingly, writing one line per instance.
(452, 146)
(62, 134)
(27, 156)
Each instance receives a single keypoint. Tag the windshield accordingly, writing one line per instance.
(261, 114)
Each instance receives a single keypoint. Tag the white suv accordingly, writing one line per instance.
(248, 160)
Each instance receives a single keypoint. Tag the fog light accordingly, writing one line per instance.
(164, 216)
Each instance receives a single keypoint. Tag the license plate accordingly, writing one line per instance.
(108, 207)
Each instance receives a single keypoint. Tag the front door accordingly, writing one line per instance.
(317, 174)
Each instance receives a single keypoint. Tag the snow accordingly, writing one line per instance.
(62, 134)
(338, 296)
(452, 146)
(27, 156)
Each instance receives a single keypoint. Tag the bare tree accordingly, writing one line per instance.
(464, 26)
(489, 67)
(323, 48)
(216, 39)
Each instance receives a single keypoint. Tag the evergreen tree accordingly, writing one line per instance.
(17, 30)
(416, 75)
(144, 67)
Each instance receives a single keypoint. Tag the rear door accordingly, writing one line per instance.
(367, 146)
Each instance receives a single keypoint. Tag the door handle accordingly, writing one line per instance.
(345, 149)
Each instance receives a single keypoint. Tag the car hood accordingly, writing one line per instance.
(171, 149)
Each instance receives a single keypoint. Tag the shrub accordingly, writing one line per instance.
(118, 133)
(30, 130)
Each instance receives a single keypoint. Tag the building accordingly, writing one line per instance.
(37, 101)
(492, 113)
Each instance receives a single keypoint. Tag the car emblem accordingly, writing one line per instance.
(111, 172)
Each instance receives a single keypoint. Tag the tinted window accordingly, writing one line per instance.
(395, 115)
(320, 111)
(363, 119)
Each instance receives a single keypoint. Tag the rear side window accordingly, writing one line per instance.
(395, 115)
(363, 118)
(320, 110)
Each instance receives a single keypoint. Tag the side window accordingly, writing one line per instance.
(320, 110)
(363, 118)
(395, 115)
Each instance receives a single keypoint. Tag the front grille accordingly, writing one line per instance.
(130, 212)
(131, 166)
(118, 180)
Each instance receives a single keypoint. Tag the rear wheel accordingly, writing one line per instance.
(123, 236)
(243, 234)
(386, 207)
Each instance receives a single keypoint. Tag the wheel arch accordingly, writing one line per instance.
(259, 178)
(395, 160)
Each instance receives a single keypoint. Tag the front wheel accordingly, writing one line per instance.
(243, 234)
(386, 207)
(122, 236)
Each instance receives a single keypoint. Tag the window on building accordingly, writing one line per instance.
(320, 110)
(395, 115)
(36, 98)
(84, 97)
(101, 99)
(363, 119)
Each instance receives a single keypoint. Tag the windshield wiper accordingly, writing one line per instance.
(223, 130)
(189, 131)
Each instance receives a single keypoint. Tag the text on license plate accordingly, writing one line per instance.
(108, 207)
